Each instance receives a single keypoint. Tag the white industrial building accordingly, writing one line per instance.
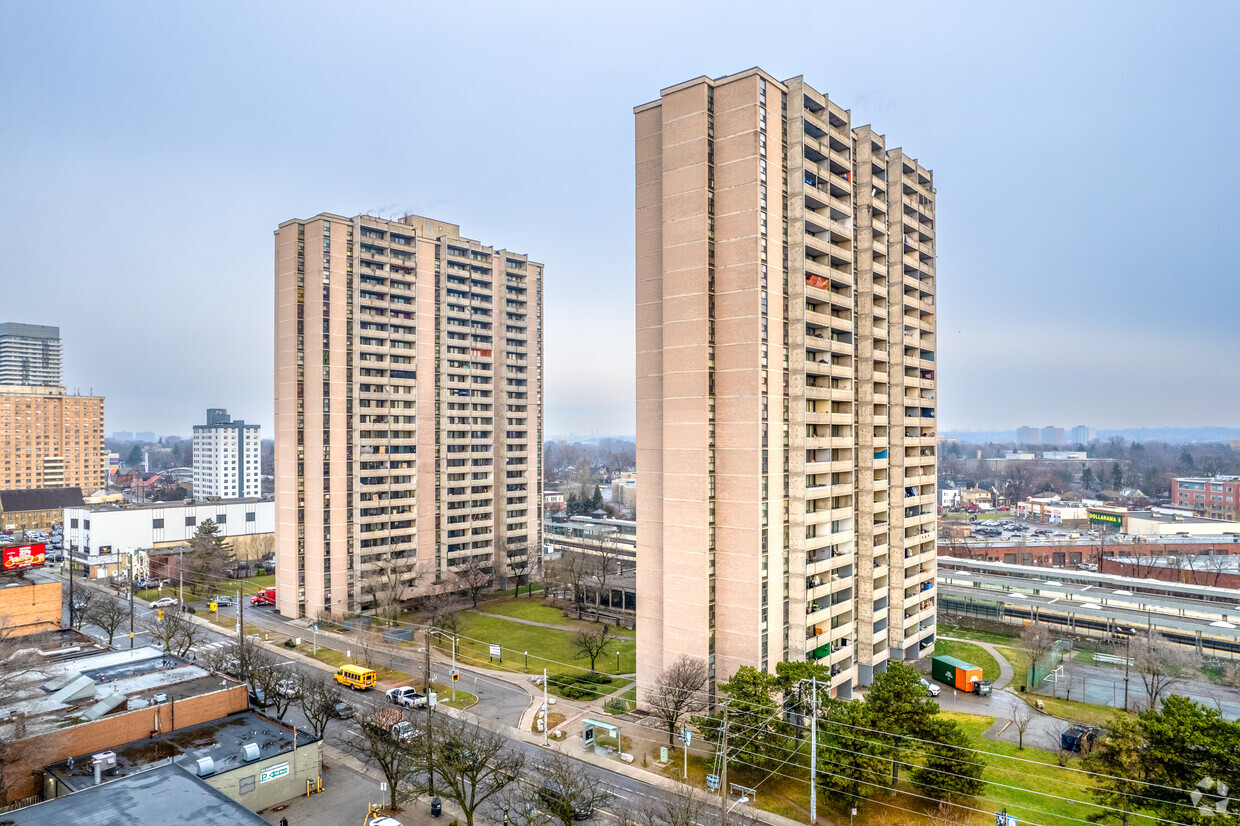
(226, 458)
(96, 532)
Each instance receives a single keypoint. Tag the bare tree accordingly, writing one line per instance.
(567, 575)
(377, 744)
(1038, 640)
(20, 664)
(568, 789)
(1161, 664)
(439, 604)
(679, 692)
(473, 764)
(474, 577)
(592, 643)
(79, 609)
(108, 614)
(271, 676)
(676, 808)
(517, 562)
(176, 633)
(1022, 718)
(317, 696)
(387, 582)
(602, 564)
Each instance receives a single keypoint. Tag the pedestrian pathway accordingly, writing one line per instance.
(1006, 672)
(535, 623)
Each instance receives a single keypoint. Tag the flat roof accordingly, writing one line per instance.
(221, 740)
(105, 507)
(138, 674)
(166, 794)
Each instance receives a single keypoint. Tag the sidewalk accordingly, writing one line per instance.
(1006, 672)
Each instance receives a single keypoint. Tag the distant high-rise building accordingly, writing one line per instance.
(226, 458)
(1052, 436)
(123, 435)
(1028, 436)
(49, 439)
(785, 384)
(1083, 435)
(144, 436)
(29, 355)
(408, 410)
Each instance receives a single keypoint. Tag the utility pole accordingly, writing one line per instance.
(813, 754)
(181, 578)
(453, 676)
(1127, 660)
(546, 710)
(430, 747)
(241, 633)
(72, 606)
(131, 598)
(723, 774)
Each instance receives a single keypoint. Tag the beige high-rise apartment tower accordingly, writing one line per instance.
(785, 385)
(408, 412)
(50, 439)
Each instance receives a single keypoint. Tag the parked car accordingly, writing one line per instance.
(164, 602)
(258, 697)
(222, 599)
(288, 688)
(407, 697)
(403, 731)
(342, 710)
(932, 690)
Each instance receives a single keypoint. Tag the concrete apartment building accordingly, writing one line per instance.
(1028, 436)
(226, 458)
(30, 354)
(1052, 436)
(1083, 435)
(50, 439)
(785, 384)
(408, 409)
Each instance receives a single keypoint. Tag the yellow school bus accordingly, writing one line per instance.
(356, 677)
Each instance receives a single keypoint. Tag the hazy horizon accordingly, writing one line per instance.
(152, 148)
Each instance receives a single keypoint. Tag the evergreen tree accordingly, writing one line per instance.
(1117, 476)
(897, 702)
(950, 771)
(1087, 479)
(596, 501)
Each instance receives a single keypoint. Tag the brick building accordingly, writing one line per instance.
(1214, 497)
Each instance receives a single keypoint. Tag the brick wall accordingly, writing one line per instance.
(32, 754)
(32, 607)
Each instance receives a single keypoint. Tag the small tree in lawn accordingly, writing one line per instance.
(1038, 640)
(109, 614)
(679, 691)
(1022, 718)
(474, 577)
(80, 612)
(592, 643)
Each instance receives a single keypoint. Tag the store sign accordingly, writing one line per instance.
(21, 557)
(273, 772)
(1107, 519)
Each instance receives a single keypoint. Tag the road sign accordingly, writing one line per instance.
(213, 607)
(712, 782)
(1004, 819)
(497, 652)
(456, 675)
(686, 736)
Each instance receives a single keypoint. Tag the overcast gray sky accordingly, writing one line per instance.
(1083, 153)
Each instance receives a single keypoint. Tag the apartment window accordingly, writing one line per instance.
(73, 523)
(156, 524)
(249, 517)
(221, 518)
(191, 521)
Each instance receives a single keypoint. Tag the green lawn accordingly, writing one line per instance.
(1088, 713)
(527, 609)
(249, 587)
(548, 648)
(946, 629)
(970, 653)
